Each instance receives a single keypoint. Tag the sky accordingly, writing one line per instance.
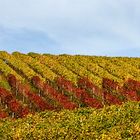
(86, 27)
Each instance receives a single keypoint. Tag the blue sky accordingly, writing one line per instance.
(90, 27)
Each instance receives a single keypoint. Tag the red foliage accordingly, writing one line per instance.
(110, 99)
(68, 85)
(87, 99)
(5, 95)
(14, 106)
(109, 84)
(12, 80)
(47, 89)
(85, 83)
(25, 90)
(39, 102)
(93, 103)
(62, 99)
(129, 94)
(132, 95)
(3, 114)
(79, 93)
(24, 112)
(37, 81)
(132, 85)
(131, 89)
(11, 102)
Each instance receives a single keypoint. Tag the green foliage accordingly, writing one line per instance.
(56, 67)
(114, 122)
(36, 66)
(72, 67)
(4, 83)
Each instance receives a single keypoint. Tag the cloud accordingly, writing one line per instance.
(71, 26)
(25, 40)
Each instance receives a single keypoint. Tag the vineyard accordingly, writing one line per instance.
(59, 84)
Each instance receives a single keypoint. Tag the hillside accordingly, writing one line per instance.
(33, 82)
(69, 97)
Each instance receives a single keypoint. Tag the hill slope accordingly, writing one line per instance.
(69, 97)
(34, 82)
